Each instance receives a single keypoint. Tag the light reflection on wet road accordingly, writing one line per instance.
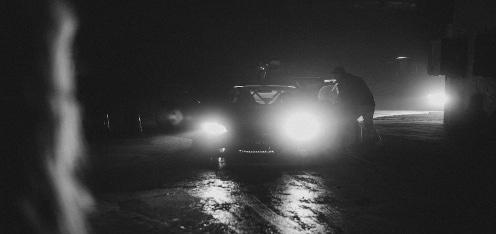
(242, 195)
(149, 185)
(269, 201)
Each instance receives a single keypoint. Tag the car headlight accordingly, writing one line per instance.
(302, 126)
(213, 128)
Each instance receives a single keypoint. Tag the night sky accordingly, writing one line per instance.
(133, 51)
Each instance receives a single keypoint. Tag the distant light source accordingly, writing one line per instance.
(437, 99)
(401, 57)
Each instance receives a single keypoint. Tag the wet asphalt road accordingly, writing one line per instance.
(254, 194)
(258, 194)
(156, 185)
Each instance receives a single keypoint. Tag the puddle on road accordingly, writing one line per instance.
(218, 198)
(286, 203)
(306, 200)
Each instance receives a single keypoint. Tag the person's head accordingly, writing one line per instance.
(338, 72)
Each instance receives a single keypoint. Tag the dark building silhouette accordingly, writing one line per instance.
(467, 57)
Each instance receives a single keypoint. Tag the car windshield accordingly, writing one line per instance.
(261, 95)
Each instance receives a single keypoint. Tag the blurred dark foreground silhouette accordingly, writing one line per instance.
(41, 163)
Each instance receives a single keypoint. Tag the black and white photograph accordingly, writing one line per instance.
(248, 116)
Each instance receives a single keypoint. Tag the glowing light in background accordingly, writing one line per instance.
(437, 99)
(175, 117)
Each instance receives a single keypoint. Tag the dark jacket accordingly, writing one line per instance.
(354, 91)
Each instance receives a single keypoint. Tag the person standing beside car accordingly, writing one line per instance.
(355, 99)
